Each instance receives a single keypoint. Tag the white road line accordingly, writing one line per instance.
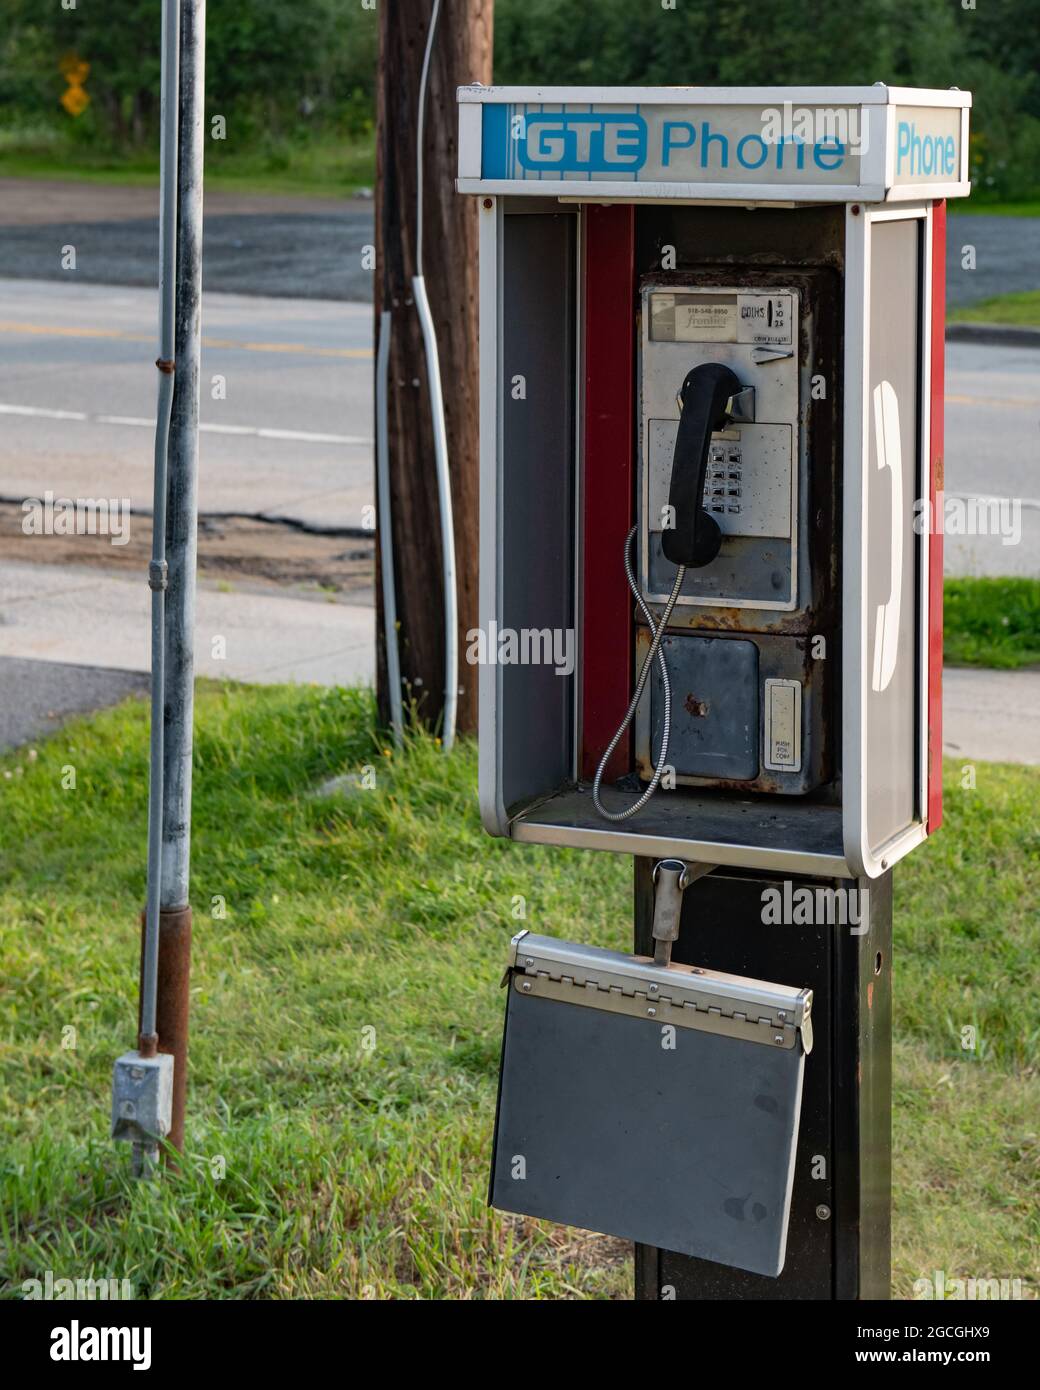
(1028, 502)
(49, 414)
(255, 431)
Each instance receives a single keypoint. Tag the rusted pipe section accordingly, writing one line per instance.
(171, 1011)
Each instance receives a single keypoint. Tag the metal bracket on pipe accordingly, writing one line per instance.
(142, 1105)
(671, 879)
(158, 574)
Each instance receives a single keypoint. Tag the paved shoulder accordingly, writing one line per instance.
(89, 617)
(36, 697)
(993, 716)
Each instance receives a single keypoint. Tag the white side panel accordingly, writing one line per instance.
(965, 162)
(856, 755)
(471, 128)
(924, 540)
(853, 598)
(877, 125)
(492, 811)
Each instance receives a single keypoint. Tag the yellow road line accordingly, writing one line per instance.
(992, 401)
(55, 331)
(302, 349)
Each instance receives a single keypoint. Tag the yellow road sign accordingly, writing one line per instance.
(75, 100)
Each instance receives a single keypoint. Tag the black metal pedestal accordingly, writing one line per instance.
(839, 1239)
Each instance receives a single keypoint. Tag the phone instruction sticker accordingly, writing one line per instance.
(693, 318)
(700, 319)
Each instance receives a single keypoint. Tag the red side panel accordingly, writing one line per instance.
(935, 542)
(609, 441)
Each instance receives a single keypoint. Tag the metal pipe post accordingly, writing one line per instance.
(181, 538)
(157, 578)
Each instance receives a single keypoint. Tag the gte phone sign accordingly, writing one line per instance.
(662, 143)
(571, 142)
(927, 145)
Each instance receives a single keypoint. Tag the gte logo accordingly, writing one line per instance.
(583, 142)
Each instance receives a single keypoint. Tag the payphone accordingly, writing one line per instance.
(711, 333)
(737, 455)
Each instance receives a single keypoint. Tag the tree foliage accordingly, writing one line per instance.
(271, 67)
(278, 70)
(993, 50)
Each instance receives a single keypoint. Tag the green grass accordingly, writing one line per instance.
(991, 622)
(325, 167)
(1021, 310)
(317, 1167)
(1025, 207)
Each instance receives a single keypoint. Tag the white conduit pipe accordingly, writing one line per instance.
(440, 434)
(440, 449)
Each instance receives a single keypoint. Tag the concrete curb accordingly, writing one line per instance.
(1004, 334)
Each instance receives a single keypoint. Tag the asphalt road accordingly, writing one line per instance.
(993, 450)
(293, 438)
(304, 256)
(38, 697)
(1007, 256)
(298, 248)
(314, 251)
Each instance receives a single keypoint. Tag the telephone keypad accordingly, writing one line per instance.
(724, 479)
(747, 484)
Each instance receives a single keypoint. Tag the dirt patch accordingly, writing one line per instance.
(239, 551)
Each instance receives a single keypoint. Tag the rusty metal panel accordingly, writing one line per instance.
(715, 724)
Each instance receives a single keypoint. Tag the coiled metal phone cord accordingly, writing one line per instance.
(656, 634)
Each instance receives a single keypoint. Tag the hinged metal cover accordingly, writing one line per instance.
(663, 1108)
(684, 995)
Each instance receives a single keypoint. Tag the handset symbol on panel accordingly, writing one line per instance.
(890, 456)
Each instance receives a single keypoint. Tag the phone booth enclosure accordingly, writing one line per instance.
(807, 659)
(624, 264)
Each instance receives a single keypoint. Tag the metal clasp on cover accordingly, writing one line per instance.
(511, 964)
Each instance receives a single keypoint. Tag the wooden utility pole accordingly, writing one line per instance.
(461, 54)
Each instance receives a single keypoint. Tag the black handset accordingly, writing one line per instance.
(694, 538)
